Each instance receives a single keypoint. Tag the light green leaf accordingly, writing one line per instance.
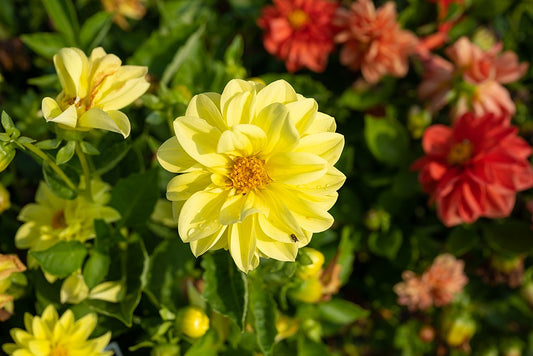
(94, 30)
(66, 152)
(63, 16)
(341, 312)
(225, 287)
(57, 184)
(96, 269)
(43, 43)
(86, 147)
(206, 346)
(62, 259)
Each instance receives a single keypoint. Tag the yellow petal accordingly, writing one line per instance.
(199, 216)
(238, 109)
(302, 113)
(281, 132)
(329, 182)
(122, 88)
(39, 347)
(20, 336)
(115, 121)
(110, 291)
(237, 207)
(296, 167)
(243, 140)
(280, 223)
(183, 186)
(53, 113)
(215, 241)
(327, 145)
(242, 243)
(275, 249)
(207, 106)
(84, 327)
(277, 92)
(49, 317)
(199, 140)
(74, 289)
(321, 123)
(173, 158)
(234, 87)
(70, 63)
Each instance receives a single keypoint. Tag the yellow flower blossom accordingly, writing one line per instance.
(9, 264)
(94, 90)
(52, 219)
(257, 174)
(54, 336)
(133, 9)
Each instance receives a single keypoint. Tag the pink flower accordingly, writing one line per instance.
(300, 32)
(474, 168)
(446, 278)
(373, 40)
(437, 286)
(413, 292)
(437, 82)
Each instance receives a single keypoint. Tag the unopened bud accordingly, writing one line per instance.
(192, 321)
(307, 291)
(165, 350)
(5, 203)
(314, 259)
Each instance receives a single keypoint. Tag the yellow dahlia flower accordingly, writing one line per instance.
(9, 264)
(52, 219)
(94, 89)
(257, 174)
(53, 336)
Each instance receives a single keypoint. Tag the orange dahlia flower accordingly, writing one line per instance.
(373, 40)
(413, 292)
(474, 168)
(300, 32)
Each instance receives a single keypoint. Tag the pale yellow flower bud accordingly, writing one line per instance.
(192, 321)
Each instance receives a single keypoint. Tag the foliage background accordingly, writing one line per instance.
(383, 222)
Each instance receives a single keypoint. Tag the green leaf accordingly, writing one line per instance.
(94, 29)
(205, 346)
(386, 139)
(89, 149)
(57, 184)
(111, 153)
(308, 347)
(62, 259)
(167, 269)
(63, 15)
(263, 308)
(51, 144)
(66, 152)
(225, 287)
(341, 312)
(45, 81)
(461, 240)
(181, 55)
(129, 264)
(135, 197)
(512, 236)
(96, 269)
(44, 43)
(7, 122)
(350, 242)
(385, 244)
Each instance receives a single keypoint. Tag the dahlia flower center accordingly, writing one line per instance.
(58, 220)
(460, 152)
(297, 18)
(248, 173)
(59, 351)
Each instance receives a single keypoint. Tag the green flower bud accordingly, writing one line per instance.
(192, 321)
(7, 153)
(312, 269)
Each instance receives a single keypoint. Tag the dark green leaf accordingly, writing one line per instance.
(385, 244)
(112, 152)
(131, 264)
(461, 240)
(63, 15)
(66, 152)
(308, 347)
(96, 269)
(263, 308)
(511, 236)
(350, 241)
(57, 184)
(386, 139)
(167, 269)
(341, 312)
(135, 197)
(225, 287)
(43, 43)
(62, 259)
(94, 29)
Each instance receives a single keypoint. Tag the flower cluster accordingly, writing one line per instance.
(437, 286)
(256, 171)
(303, 33)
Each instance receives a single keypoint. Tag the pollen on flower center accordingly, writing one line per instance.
(248, 173)
(298, 18)
(59, 351)
(460, 152)
(58, 220)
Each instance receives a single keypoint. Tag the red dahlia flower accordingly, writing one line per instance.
(300, 32)
(474, 168)
(373, 40)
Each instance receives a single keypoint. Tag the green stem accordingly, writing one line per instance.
(39, 153)
(85, 169)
